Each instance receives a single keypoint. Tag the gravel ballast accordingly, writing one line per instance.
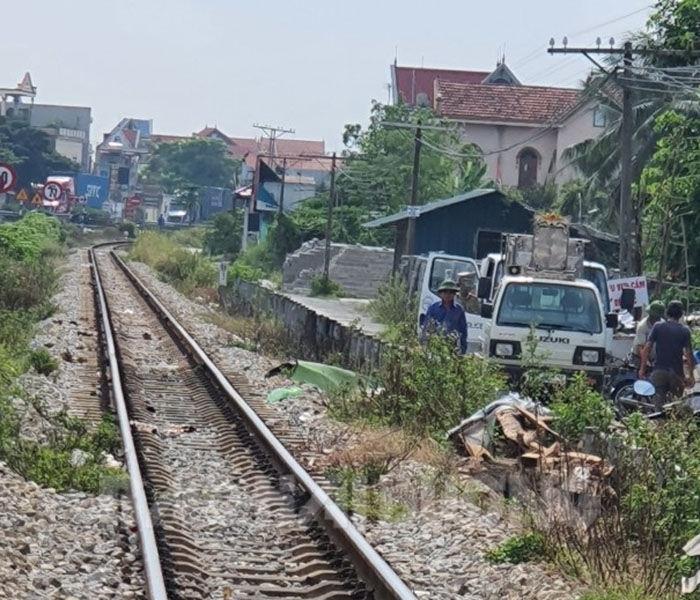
(65, 545)
(438, 547)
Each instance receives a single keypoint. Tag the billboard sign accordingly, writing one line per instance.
(93, 188)
(638, 284)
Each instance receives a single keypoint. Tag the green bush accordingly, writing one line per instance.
(26, 283)
(190, 237)
(324, 286)
(129, 228)
(224, 236)
(239, 270)
(576, 407)
(518, 549)
(426, 389)
(42, 362)
(184, 269)
(25, 238)
(282, 238)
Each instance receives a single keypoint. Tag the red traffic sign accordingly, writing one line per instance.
(8, 177)
(53, 191)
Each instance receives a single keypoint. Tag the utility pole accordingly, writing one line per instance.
(627, 244)
(329, 223)
(413, 207)
(628, 233)
(272, 133)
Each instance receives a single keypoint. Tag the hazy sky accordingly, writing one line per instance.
(309, 65)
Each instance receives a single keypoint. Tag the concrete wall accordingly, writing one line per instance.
(69, 117)
(70, 148)
(316, 337)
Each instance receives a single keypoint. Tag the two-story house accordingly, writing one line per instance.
(520, 130)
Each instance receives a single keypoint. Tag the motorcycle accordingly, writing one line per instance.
(642, 397)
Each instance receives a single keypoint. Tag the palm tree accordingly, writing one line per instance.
(598, 160)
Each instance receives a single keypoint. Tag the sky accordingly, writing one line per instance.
(309, 65)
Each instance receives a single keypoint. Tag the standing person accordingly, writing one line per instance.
(446, 316)
(672, 342)
(655, 314)
(161, 221)
(466, 297)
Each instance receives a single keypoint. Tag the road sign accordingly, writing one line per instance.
(638, 284)
(36, 199)
(22, 196)
(53, 191)
(8, 177)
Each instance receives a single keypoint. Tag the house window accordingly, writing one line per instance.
(599, 117)
(527, 168)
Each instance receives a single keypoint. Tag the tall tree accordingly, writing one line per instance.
(378, 170)
(191, 164)
(674, 24)
(29, 150)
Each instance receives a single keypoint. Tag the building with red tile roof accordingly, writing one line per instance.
(521, 130)
(527, 104)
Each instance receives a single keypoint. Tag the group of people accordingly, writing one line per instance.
(662, 346)
(663, 349)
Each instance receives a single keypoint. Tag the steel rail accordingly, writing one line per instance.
(372, 568)
(155, 582)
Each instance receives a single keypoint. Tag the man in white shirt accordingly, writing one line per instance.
(656, 312)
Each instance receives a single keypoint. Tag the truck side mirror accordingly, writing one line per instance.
(486, 310)
(612, 320)
(484, 289)
(627, 299)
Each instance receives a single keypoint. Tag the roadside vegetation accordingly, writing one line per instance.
(186, 270)
(67, 456)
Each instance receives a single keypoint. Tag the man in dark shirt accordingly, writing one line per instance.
(671, 341)
(446, 316)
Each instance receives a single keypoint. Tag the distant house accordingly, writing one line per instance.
(521, 130)
(471, 224)
(68, 127)
(118, 158)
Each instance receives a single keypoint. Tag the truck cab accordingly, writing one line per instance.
(544, 293)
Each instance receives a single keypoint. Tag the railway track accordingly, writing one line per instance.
(223, 509)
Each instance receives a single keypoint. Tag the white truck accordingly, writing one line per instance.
(543, 289)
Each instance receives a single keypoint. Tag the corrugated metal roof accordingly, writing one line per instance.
(426, 208)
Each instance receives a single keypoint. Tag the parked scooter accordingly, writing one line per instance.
(641, 397)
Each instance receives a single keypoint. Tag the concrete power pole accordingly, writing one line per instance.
(628, 233)
(329, 222)
(413, 207)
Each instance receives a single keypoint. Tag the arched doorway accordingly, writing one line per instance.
(528, 160)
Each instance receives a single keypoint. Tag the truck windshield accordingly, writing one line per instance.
(448, 268)
(550, 306)
(597, 277)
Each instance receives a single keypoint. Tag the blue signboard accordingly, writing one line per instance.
(93, 188)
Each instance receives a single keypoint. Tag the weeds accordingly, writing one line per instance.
(186, 270)
(259, 333)
(42, 362)
(323, 286)
(518, 549)
(577, 407)
(394, 307)
(424, 389)
(53, 463)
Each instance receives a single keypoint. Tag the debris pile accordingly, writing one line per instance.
(514, 432)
